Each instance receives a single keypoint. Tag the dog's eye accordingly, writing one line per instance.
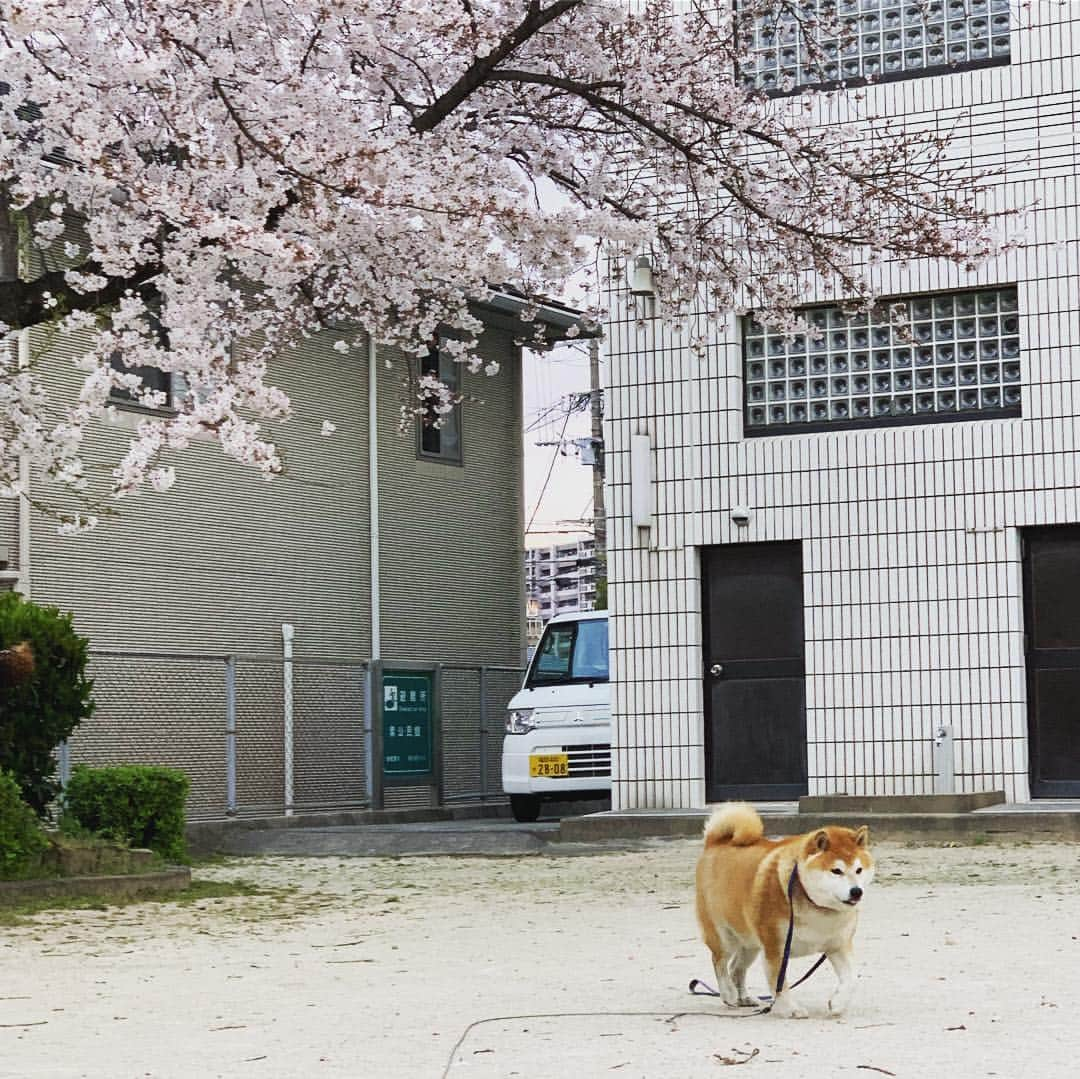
(859, 870)
(838, 872)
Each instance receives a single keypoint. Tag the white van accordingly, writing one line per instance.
(558, 730)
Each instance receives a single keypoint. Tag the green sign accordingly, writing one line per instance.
(407, 724)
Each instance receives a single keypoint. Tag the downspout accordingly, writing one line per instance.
(23, 584)
(373, 552)
(373, 496)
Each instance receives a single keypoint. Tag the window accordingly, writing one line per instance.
(882, 39)
(945, 356)
(443, 442)
(571, 652)
(153, 378)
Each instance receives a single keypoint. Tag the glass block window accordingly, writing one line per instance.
(939, 357)
(881, 39)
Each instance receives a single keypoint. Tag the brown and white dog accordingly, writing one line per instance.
(742, 901)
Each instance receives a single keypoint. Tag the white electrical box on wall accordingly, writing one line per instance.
(641, 481)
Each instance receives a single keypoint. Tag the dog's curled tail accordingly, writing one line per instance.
(735, 821)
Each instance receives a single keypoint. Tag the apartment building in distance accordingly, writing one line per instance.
(560, 578)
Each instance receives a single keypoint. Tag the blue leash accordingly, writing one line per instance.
(703, 989)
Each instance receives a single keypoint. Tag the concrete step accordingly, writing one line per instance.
(900, 803)
(967, 826)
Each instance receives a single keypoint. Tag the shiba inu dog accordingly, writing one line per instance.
(743, 908)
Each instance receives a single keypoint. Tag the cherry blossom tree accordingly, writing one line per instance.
(223, 171)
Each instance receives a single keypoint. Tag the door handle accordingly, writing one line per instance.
(716, 670)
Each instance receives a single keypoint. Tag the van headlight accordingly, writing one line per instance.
(519, 721)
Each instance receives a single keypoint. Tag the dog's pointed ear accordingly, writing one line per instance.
(862, 837)
(820, 839)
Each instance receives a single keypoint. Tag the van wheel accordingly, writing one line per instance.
(525, 807)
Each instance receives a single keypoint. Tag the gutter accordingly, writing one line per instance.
(557, 318)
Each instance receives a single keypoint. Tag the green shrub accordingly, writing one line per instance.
(21, 837)
(38, 713)
(136, 804)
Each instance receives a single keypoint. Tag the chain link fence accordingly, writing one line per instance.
(262, 736)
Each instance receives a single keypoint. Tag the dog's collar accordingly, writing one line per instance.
(796, 879)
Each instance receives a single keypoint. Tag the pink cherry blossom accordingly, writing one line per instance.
(218, 181)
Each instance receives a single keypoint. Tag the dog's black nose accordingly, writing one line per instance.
(856, 892)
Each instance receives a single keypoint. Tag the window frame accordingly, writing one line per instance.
(118, 397)
(569, 679)
(440, 455)
(857, 81)
(871, 423)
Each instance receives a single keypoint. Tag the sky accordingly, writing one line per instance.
(548, 379)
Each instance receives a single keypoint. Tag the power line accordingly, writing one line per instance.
(551, 468)
(572, 402)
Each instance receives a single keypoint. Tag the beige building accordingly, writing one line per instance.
(374, 544)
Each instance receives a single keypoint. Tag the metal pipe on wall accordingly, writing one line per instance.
(230, 736)
(287, 633)
(373, 554)
(22, 586)
(373, 496)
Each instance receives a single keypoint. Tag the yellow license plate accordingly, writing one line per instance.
(549, 765)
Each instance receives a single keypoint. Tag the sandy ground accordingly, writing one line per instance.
(969, 957)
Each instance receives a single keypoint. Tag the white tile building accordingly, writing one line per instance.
(906, 584)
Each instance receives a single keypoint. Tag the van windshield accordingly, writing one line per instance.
(571, 652)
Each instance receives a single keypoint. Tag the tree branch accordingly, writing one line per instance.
(480, 70)
(29, 303)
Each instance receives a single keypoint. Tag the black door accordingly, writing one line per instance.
(1052, 624)
(754, 651)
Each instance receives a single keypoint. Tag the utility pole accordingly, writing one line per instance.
(599, 513)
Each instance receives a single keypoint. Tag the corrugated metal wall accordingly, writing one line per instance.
(218, 564)
(453, 563)
(221, 561)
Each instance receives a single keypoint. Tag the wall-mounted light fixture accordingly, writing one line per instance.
(641, 277)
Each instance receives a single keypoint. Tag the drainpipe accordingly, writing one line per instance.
(373, 547)
(373, 495)
(23, 584)
(287, 633)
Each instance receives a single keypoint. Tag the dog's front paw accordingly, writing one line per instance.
(841, 998)
(785, 1009)
(747, 1001)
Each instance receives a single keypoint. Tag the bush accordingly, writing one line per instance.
(40, 711)
(21, 837)
(135, 804)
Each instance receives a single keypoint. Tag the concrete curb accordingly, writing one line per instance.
(125, 886)
(217, 835)
(221, 836)
(602, 827)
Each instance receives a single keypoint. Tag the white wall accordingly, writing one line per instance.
(911, 551)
